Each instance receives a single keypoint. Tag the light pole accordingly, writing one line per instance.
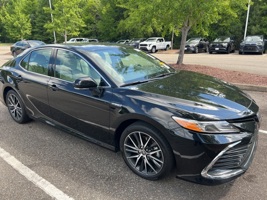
(50, 5)
(246, 26)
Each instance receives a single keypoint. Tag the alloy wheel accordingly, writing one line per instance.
(143, 153)
(14, 107)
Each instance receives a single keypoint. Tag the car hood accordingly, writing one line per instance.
(198, 96)
(191, 43)
(252, 42)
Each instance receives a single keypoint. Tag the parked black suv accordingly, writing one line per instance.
(253, 44)
(196, 45)
(223, 44)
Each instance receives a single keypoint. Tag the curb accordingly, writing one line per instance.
(251, 87)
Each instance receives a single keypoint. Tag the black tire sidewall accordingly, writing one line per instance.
(162, 142)
(24, 118)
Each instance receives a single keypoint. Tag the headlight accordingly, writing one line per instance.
(224, 44)
(259, 43)
(206, 126)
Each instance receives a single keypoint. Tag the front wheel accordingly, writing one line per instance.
(14, 54)
(196, 50)
(16, 107)
(145, 151)
(153, 50)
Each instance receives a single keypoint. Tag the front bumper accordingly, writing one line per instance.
(214, 158)
(190, 49)
(218, 49)
(251, 49)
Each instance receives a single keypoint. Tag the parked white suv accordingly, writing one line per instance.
(155, 43)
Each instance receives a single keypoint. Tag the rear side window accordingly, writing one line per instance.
(37, 61)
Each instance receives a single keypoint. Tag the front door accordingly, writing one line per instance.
(83, 110)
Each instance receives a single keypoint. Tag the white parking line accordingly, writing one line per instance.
(40, 182)
(262, 131)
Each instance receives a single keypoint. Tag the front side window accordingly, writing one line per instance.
(37, 61)
(70, 66)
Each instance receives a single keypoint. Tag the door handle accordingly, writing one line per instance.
(19, 78)
(53, 87)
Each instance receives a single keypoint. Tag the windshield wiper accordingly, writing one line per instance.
(164, 74)
(134, 83)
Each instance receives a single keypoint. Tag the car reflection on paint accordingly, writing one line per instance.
(126, 100)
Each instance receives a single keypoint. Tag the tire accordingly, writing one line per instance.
(196, 50)
(210, 52)
(14, 54)
(228, 50)
(153, 50)
(167, 47)
(146, 152)
(240, 52)
(16, 107)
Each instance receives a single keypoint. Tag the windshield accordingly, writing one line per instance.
(35, 42)
(255, 38)
(151, 40)
(222, 39)
(127, 65)
(193, 40)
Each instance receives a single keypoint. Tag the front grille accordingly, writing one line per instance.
(143, 45)
(233, 158)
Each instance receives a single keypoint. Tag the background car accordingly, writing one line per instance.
(196, 45)
(136, 41)
(252, 44)
(80, 40)
(124, 99)
(20, 46)
(123, 41)
(222, 44)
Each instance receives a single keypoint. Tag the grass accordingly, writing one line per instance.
(5, 44)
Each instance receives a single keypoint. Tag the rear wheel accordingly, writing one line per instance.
(145, 151)
(16, 107)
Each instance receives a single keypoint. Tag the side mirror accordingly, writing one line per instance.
(85, 82)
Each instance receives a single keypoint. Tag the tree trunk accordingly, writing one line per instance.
(185, 30)
(65, 36)
(172, 37)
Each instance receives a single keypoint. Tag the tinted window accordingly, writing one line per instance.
(70, 66)
(37, 61)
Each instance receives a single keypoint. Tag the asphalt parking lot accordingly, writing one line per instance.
(38, 161)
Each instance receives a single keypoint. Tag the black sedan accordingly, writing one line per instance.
(223, 44)
(20, 46)
(252, 44)
(123, 99)
(196, 45)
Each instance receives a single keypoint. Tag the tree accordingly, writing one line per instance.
(67, 18)
(179, 15)
(15, 21)
(258, 18)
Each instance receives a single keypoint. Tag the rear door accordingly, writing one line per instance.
(82, 110)
(34, 79)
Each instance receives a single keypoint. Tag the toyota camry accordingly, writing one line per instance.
(126, 100)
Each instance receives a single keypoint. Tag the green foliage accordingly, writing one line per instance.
(257, 24)
(15, 19)
(66, 18)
